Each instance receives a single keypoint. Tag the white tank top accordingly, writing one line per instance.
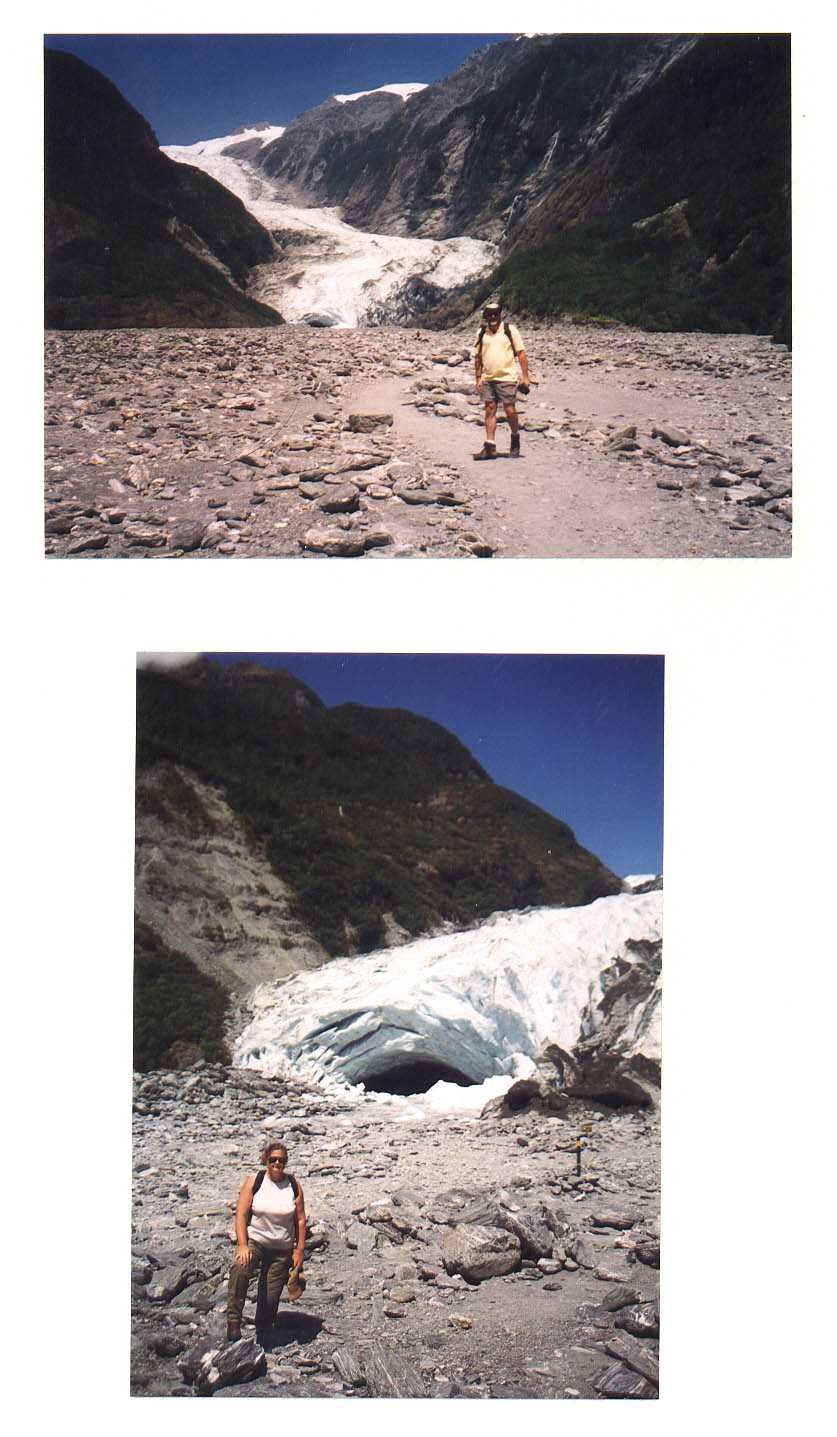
(272, 1219)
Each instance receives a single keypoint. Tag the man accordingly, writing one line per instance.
(497, 353)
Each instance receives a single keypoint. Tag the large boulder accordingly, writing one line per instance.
(381, 1372)
(476, 1252)
(172, 1278)
(533, 1225)
(209, 1366)
(533, 1095)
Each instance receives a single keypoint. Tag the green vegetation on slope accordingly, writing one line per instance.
(713, 133)
(363, 811)
(604, 270)
(174, 1004)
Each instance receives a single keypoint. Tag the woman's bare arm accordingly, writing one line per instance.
(301, 1229)
(242, 1215)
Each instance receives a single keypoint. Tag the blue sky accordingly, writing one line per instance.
(196, 87)
(580, 735)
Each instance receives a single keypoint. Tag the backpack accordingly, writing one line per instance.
(507, 333)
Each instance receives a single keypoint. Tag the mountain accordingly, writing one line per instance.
(362, 812)
(637, 177)
(311, 157)
(274, 832)
(133, 239)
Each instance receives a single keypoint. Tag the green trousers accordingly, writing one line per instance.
(273, 1268)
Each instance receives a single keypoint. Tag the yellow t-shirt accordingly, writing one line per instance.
(498, 361)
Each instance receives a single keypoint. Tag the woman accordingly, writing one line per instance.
(270, 1237)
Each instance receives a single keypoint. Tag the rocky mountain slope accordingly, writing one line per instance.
(643, 177)
(313, 156)
(203, 883)
(133, 239)
(452, 159)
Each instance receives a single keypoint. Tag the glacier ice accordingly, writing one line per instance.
(480, 1002)
(341, 274)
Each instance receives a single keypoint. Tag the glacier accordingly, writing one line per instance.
(480, 1005)
(333, 274)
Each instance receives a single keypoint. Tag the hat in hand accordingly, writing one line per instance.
(296, 1285)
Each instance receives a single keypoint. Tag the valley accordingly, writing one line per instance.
(326, 272)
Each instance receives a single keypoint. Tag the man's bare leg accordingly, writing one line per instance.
(490, 423)
(514, 426)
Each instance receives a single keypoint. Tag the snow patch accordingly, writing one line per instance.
(405, 91)
(207, 149)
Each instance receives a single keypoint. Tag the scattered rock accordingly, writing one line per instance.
(619, 1381)
(366, 423)
(178, 442)
(337, 543)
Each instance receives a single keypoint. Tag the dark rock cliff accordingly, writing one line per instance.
(133, 239)
(315, 154)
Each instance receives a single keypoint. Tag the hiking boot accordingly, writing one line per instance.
(515, 446)
(233, 1331)
(488, 451)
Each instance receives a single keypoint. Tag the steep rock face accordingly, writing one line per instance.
(680, 212)
(380, 821)
(310, 157)
(204, 888)
(455, 158)
(133, 239)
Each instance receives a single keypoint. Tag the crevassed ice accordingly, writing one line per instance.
(482, 1002)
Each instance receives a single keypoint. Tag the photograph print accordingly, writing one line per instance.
(397, 1006)
(447, 296)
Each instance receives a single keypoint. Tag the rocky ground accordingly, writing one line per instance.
(357, 443)
(455, 1256)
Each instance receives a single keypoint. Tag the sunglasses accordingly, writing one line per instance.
(275, 1160)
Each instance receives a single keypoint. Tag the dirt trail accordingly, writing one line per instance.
(565, 499)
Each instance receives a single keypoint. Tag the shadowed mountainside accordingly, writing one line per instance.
(133, 239)
(377, 819)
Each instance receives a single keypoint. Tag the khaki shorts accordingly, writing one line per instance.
(495, 391)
